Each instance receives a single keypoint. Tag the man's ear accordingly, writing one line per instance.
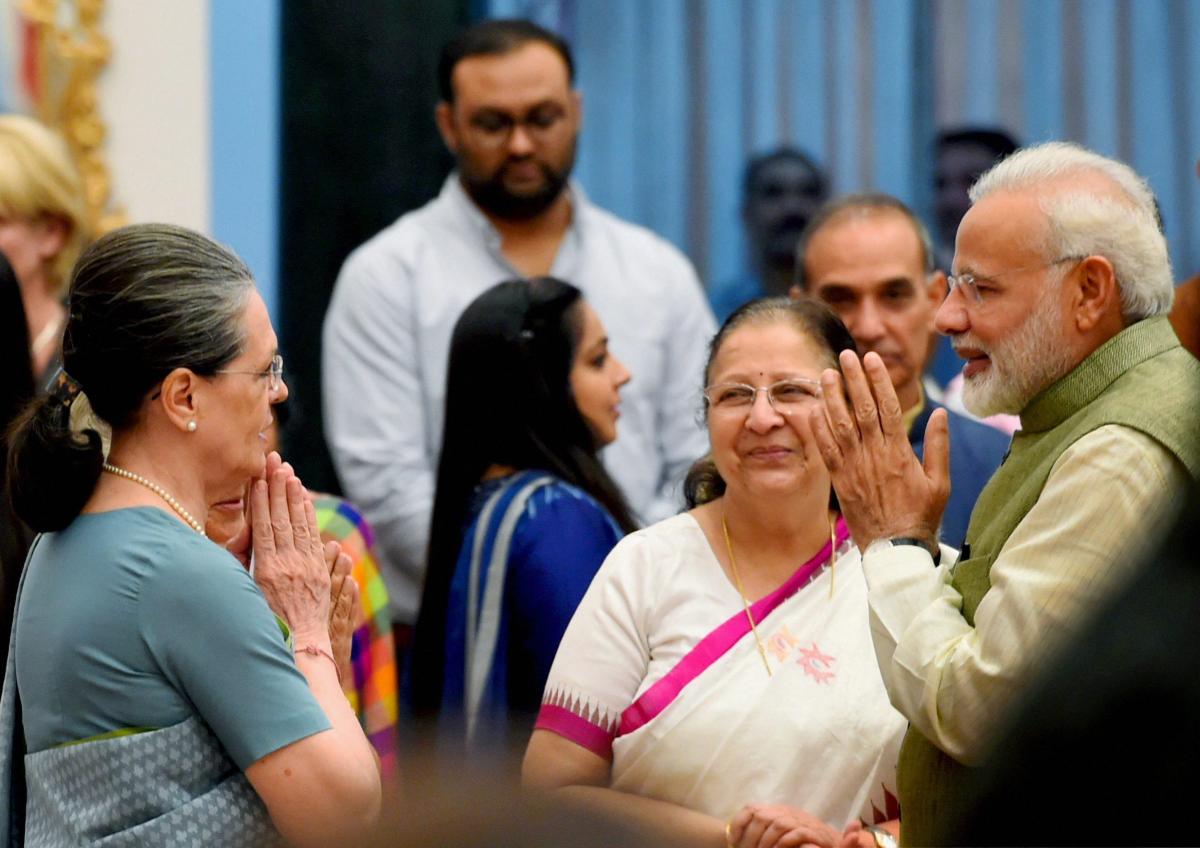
(936, 288)
(443, 116)
(179, 399)
(1096, 296)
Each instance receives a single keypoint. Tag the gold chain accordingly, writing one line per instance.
(737, 579)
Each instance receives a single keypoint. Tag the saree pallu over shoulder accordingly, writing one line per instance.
(175, 787)
(577, 718)
(710, 729)
(169, 787)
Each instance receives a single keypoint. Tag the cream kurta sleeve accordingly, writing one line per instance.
(1104, 501)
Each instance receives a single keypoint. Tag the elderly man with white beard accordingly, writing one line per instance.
(1058, 304)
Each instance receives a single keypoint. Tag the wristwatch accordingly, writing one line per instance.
(935, 551)
(882, 836)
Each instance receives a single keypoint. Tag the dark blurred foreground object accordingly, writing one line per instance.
(16, 388)
(1185, 314)
(495, 813)
(1104, 749)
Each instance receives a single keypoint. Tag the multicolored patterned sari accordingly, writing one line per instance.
(372, 692)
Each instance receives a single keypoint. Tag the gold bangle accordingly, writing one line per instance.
(728, 836)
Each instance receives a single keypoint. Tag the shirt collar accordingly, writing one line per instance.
(471, 216)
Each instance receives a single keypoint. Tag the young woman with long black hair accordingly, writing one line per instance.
(524, 512)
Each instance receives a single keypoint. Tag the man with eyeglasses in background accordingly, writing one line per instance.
(511, 117)
(870, 259)
(1059, 306)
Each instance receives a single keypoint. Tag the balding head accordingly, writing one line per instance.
(869, 258)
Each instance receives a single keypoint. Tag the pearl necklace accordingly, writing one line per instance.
(160, 491)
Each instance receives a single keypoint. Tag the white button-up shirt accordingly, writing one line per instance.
(387, 343)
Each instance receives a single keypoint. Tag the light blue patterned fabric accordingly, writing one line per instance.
(172, 787)
(175, 787)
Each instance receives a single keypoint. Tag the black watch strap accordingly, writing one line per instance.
(935, 551)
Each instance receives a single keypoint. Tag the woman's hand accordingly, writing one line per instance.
(344, 611)
(289, 560)
(767, 825)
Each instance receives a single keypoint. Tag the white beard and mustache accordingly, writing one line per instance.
(1022, 365)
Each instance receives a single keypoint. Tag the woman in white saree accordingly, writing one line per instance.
(718, 681)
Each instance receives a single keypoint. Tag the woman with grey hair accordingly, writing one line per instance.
(156, 692)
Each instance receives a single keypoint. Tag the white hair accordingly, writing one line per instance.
(1122, 226)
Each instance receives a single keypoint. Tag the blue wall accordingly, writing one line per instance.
(679, 93)
(244, 51)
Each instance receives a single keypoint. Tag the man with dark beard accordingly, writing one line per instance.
(510, 116)
(781, 190)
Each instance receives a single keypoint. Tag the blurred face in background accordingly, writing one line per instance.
(782, 198)
(868, 265)
(957, 168)
(512, 127)
(31, 246)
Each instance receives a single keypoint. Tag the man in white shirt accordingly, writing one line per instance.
(1058, 303)
(510, 116)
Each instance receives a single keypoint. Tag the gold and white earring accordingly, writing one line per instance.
(191, 426)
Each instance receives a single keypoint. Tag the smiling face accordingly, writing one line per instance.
(512, 127)
(759, 450)
(596, 378)
(1014, 338)
(869, 267)
(235, 420)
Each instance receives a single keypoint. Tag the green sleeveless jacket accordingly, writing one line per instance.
(1141, 379)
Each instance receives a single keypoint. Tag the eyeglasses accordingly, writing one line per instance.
(493, 129)
(274, 372)
(784, 396)
(970, 283)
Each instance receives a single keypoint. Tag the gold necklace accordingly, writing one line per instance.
(160, 491)
(737, 579)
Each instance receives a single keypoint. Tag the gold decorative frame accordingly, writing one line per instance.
(71, 52)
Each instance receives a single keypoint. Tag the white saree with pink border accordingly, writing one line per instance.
(660, 672)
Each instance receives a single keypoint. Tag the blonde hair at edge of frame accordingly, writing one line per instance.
(37, 177)
(1121, 225)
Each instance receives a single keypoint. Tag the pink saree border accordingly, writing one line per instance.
(578, 729)
(717, 643)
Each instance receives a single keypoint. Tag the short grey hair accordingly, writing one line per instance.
(1123, 229)
(836, 210)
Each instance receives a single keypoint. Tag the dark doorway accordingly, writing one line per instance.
(359, 149)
